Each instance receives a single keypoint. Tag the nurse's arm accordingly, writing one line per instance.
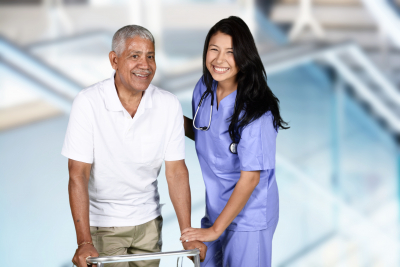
(188, 124)
(240, 195)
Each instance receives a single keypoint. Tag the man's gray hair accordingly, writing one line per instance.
(126, 32)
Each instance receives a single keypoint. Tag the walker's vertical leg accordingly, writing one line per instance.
(101, 264)
(197, 260)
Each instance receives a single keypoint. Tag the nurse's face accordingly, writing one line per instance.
(135, 66)
(220, 61)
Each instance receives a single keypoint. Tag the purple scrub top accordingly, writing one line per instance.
(221, 168)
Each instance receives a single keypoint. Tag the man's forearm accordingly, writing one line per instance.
(179, 191)
(79, 202)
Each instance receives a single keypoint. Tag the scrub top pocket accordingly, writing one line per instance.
(229, 163)
(225, 159)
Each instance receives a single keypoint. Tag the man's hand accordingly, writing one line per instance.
(196, 244)
(82, 253)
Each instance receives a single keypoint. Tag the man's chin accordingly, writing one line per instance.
(140, 86)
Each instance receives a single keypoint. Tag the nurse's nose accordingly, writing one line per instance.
(220, 58)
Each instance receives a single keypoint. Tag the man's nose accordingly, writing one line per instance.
(143, 63)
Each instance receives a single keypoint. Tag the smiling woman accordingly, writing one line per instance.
(236, 150)
(221, 63)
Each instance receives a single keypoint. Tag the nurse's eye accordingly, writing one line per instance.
(230, 52)
(213, 49)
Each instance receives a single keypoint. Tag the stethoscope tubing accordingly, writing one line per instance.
(204, 128)
(233, 145)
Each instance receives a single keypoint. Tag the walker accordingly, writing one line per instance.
(100, 261)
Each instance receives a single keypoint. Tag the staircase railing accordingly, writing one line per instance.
(53, 85)
(386, 17)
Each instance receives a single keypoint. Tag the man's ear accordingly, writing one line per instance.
(113, 59)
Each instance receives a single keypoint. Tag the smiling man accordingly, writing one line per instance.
(120, 131)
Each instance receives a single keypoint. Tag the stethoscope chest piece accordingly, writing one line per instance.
(233, 148)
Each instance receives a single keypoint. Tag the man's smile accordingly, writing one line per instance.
(142, 75)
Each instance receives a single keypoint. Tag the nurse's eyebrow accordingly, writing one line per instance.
(218, 46)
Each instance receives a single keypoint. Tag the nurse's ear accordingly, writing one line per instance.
(113, 60)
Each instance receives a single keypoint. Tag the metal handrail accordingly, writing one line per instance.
(148, 256)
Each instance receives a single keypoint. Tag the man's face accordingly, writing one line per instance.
(135, 66)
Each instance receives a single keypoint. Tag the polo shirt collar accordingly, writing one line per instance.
(112, 100)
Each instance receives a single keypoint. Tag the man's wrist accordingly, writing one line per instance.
(84, 237)
(185, 226)
(85, 243)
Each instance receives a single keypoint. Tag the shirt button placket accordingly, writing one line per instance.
(127, 123)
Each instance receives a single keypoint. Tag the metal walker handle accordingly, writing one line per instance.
(148, 256)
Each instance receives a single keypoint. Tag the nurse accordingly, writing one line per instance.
(236, 119)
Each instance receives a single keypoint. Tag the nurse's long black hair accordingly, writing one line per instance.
(254, 98)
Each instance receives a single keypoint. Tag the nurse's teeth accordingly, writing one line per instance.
(221, 69)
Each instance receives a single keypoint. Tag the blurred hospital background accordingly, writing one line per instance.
(334, 65)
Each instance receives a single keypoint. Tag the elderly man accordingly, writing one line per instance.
(120, 130)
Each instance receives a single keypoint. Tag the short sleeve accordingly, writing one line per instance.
(257, 146)
(176, 143)
(78, 143)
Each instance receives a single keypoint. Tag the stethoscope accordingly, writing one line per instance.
(233, 145)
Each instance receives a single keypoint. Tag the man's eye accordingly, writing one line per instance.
(151, 57)
(135, 56)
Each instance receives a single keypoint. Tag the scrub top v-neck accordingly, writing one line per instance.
(221, 168)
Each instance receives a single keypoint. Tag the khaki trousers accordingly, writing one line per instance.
(144, 238)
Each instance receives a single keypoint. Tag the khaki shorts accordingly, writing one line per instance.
(144, 238)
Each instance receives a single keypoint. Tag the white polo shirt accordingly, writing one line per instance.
(126, 153)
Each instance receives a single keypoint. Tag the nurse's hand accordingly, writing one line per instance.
(200, 234)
